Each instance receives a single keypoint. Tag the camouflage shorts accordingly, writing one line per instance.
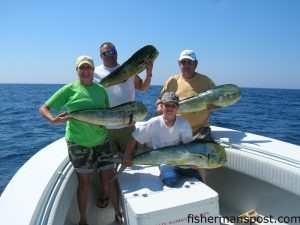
(89, 159)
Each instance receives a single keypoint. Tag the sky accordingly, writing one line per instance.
(250, 43)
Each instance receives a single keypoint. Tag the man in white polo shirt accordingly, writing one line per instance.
(119, 94)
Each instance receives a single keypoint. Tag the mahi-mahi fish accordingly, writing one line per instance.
(200, 154)
(118, 115)
(222, 95)
(134, 65)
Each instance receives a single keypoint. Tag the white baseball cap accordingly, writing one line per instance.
(188, 54)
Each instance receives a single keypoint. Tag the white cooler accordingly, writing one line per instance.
(146, 201)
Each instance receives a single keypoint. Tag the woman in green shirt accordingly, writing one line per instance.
(87, 143)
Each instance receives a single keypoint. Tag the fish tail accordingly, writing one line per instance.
(122, 168)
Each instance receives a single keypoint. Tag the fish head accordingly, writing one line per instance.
(217, 157)
(140, 111)
(148, 52)
(152, 52)
(231, 95)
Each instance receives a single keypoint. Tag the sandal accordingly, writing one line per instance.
(119, 219)
(102, 202)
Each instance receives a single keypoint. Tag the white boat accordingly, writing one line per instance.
(261, 178)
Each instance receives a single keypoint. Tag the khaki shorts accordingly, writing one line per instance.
(203, 133)
(89, 159)
(119, 138)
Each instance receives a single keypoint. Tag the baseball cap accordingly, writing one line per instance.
(84, 59)
(170, 97)
(188, 54)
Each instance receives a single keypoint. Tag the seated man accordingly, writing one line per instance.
(161, 131)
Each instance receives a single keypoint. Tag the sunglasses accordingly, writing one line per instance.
(173, 106)
(186, 62)
(109, 52)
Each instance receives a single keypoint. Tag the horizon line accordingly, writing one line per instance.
(150, 85)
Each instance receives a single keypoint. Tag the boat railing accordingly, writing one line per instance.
(267, 154)
(43, 212)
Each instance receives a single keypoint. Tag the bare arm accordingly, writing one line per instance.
(129, 148)
(143, 84)
(212, 108)
(61, 118)
(202, 173)
(159, 105)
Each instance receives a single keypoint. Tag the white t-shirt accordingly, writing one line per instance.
(157, 135)
(119, 93)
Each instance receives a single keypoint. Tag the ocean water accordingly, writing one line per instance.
(23, 132)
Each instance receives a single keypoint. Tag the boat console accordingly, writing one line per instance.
(146, 200)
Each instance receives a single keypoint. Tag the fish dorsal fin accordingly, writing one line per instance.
(187, 98)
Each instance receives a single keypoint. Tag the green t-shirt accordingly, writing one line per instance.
(76, 97)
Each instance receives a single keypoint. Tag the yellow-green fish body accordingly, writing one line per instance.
(134, 65)
(207, 155)
(222, 95)
(118, 115)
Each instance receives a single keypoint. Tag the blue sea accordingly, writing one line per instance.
(23, 132)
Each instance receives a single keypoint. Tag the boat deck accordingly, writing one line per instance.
(261, 174)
